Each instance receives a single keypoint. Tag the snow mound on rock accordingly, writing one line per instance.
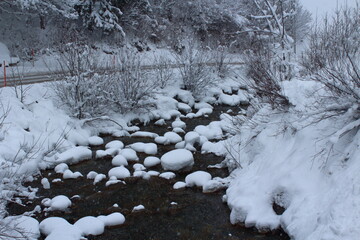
(119, 172)
(177, 159)
(198, 179)
(90, 225)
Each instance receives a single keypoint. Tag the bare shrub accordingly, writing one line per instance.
(222, 59)
(129, 86)
(194, 68)
(265, 78)
(80, 81)
(17, 74)
(333, 58)
(163, 71)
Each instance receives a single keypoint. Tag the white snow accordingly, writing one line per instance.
(95, 141)
(151, 161)
(45, 183)
(48, 225)
(179, 185)
(90, 225)
(99, 177)
(144, 134)
(138, 208)
(162, 140)
(91, 175)
(129, 154)
(74, 155)
(119, 172)
(173, 137)
(178, 124)
(112, 219)
(231, 100)
(115, 144)
(20, 227)
(148, 148)
(184, 107)
(160, 122)
(198, 178)
(138, 167)
(167, 175)
(58, 203)
(60, 168)
(119, 160)
(68, 174)
(177, 159)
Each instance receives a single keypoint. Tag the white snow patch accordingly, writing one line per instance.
(179, 185)
(112, 219)
(119, 160)
(138, 208)
(129, 154)
(173, 137)
(74, 155)
(167, 175)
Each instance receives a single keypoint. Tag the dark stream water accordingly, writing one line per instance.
(194, 216)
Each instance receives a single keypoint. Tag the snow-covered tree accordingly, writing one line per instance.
(102, 14)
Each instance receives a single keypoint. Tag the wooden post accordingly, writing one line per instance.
(4, 74)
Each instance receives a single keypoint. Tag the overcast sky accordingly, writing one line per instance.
(320, 7)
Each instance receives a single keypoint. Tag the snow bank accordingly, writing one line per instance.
(177, 159)
(74, 155)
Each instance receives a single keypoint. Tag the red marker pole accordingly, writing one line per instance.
(4, 74)
(33, 57)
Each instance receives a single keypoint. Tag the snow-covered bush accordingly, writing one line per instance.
(129, 87)
(265, 78)
(195, 72)
(163, 71)
(333, 60)
(221, 58)
(80, 81)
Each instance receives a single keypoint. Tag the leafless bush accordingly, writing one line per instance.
(163, 71)
(81, 81)
(17, 74)
(195, 70)
(337, 39)
(265, 78)
(333, 57)
(221, 58)
(129, 86)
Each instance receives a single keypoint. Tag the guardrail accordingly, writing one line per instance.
(39, 77)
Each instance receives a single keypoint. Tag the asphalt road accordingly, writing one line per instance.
(39, 77)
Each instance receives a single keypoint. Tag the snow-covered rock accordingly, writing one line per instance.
(28, 226)
(119, 172)
(179, 185)
(177, 159)
(90, 225)
(58, 203)
(151, 161)
(198, 178)
(148, 148)
(129, 154)
(45, 183)
(112, 219)
(178, 124)
(60, 168)
(173, 137)
(162, 140)
(167, 175)
(68, 174)
(48, 225)
(138, 208)
(184, 107)
(115, 144)
(144, 134)
(119, 160)
(95, 141)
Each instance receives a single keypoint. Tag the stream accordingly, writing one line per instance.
(169, 214)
